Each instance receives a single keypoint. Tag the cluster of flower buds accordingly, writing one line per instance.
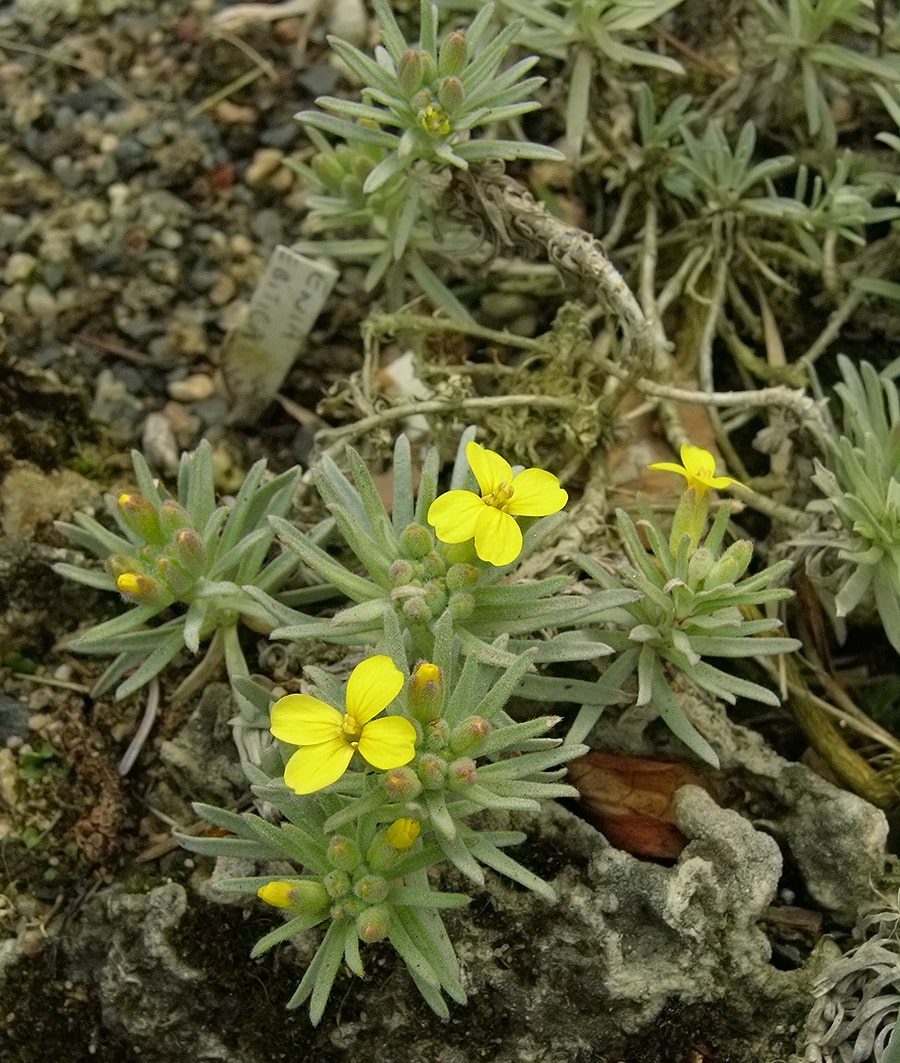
(355, 888)
(425, 583)
(166, 568)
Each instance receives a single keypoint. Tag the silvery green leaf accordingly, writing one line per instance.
(494, 858)
(347, 130)
(194, 620)
(887, 601)
(428, 485)
(253, 700)
(724, 646)
(729, 687)
(122, 664)
(673, 717)
(457, 852)
(511, 737)
(647, 671)
(357, 588)
(549, 689)
(488, 798)
(391, 33)
(90, 577)
(163, 654)
(485, 653)
(331, 952)
(229, 847)
(196, 489)
(426, 898)
(473, 150)
(523, 765)
(119, 625)
(434, 287)
(91, 535)
(562, 648)
(378, 519)
(432, 946)
(533, 789)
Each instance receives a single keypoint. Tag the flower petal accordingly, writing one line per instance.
(698, 462)
(669, 466)
(372, 686)
(315, 767)
(453, 515)
(490, 469)
(498, 539)
(303, 720)
(388, 743)
(536, 493)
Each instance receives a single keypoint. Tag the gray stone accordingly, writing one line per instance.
(631, 963)
(201, 757)
(835, 838)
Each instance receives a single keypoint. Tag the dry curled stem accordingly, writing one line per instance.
(486, 196)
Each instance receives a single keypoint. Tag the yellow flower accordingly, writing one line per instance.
(458, 516)
(329, 738)
(698, 467)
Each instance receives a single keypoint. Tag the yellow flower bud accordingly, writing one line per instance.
(425, 692)
(461, 774)
(432, 771)
(141, 517)
(137, 587)
(189, 551)
(451, 94)
(416, 541)
(402, 833)
(277, 894)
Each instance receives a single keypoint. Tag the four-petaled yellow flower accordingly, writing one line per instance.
(698, 467)
(458, 516)
(329, 738)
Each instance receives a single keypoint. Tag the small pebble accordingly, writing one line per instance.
(222, 290)
(158, 444)
(229, 113)
(40, 302)
(264, 163)
(19, 267)
(194, 388)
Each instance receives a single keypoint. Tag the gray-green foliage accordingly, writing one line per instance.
(413, 579)
(594, 35)
(186, 555)
(860, 479)
(691, 607)
(470, 757)
(395, 230)
(816, 44)
(421, 104)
